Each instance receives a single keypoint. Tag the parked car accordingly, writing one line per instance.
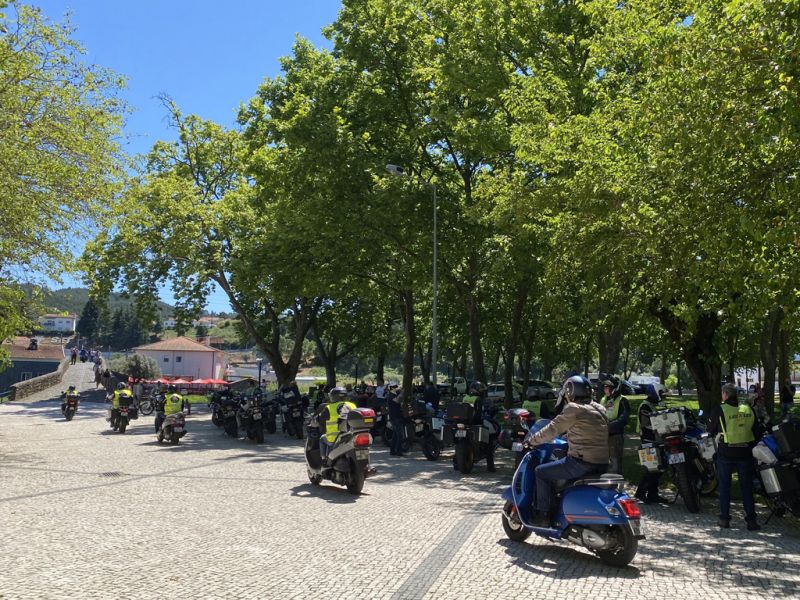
(496, 392)
(538, 389)
(459, 385)
(626, 387)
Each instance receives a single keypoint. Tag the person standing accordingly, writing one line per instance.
(618, 410)
(787, 398)
(73, 356)
(739, 428)
(397, 419)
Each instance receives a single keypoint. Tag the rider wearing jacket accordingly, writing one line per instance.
(618, 409)
(172, 404)
(330, 414)
(586, 425)
(739, 428)
(71, 392)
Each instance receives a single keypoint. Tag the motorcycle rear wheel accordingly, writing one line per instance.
(216, 419)
(686, 488)
(431, 447)
(314, 478)
(516, 532)
(624, 553)
(174, 438)
(355, 479)
(271, 427)
(146, 407)
(259, 435)
(465, 458)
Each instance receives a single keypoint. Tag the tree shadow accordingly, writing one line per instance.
(330, 493)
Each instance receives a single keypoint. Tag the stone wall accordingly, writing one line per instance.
(23, 389)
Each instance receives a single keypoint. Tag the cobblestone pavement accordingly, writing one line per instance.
(87, 513)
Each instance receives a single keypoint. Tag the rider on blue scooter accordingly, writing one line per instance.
(586, 425)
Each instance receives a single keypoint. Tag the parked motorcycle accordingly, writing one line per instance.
(292, 417)
(593, 512)
(472, 441)
(685, 450)
(229, 407)
(148, 404)
(269, 414)
(173, 428)
(250, 419)
(421, 429)
(347, 462)
(778, 458)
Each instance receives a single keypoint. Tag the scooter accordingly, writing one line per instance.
(593, 512)
(473, 442)
(347, 462)
(173, 428)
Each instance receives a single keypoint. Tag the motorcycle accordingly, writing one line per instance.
(292, 416)
(121, 417)
(778, 466)
(420, 427)
(173, 428)
(70, 406)
(228, 411)
(685, 450)
(513, 434)
(269, 414)
(148, 404)
(347, 462)
(472, 441)
(250, 419)
(593, 512)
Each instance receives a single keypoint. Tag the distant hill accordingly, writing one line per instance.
(74, 299)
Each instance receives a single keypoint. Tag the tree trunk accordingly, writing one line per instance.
(547, 371)
(698, 352)
(784, 358)
(495, 364)
(424, 363)
(587, 356)
(407, 297)
(462, 364)
(680, 384)
(328, 354)
(511, 345)
(473, 311)
(609, 344)
(379, 368)
(733, 344)
(768, 350)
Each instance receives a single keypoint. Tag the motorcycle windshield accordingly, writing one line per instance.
(538, 426)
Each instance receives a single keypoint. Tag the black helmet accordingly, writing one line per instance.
(122, 385)
(477, 387)
(338, 393)
(577, 389)
(72, 388)
(172, 388)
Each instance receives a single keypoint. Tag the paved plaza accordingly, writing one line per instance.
(88, 513)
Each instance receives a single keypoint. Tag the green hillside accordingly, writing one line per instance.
(73, 300)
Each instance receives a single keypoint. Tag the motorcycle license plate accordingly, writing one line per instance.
(362, 454)
(648, 457)
(177, 429)
(637, 528)
(256, 416)
(419, 427)
(460, 433)
(676, 458)
(516, 447)
(295, 413)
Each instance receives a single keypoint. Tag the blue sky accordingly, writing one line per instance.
(208, 56)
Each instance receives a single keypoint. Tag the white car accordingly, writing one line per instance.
(497, 393)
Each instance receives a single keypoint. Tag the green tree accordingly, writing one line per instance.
(59, 126)
(136, 366)
(89, 322)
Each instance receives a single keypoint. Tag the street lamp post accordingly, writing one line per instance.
(398, 171)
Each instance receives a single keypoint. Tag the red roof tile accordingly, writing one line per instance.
(18, 349)
(181, 344)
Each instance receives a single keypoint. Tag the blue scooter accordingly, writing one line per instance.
(593, 512)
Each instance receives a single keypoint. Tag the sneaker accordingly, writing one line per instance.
(753, 526)
(724, 523)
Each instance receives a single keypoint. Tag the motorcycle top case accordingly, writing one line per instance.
(418, 408)
(361, 418)
(460, 411)
(669, 421)
(787, 434)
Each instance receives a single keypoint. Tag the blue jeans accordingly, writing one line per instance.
(324, 446)
(566, 468)
(746, 470)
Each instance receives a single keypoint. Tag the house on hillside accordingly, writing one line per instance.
(30, 357)
(183, 357)
(170, 322)
(59, 323)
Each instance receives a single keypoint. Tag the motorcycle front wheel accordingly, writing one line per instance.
(623, 554)
(431, 447)
(146, 407)
(513, 527)
(259, 435)
(686, 488)
(68, 414)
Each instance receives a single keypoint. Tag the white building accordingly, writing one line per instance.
(183, 357)
(60, 323)
(170, 322)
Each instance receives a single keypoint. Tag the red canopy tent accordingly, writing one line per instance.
(180, 381)
(202, 382)
(218, 382)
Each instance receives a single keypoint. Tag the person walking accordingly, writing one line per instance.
(73, 356)
(739, 428)
(618, 410)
